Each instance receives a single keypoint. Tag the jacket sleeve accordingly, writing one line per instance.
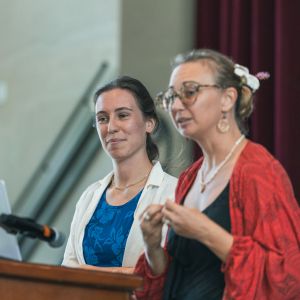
(70, 257)
(264, 261)
(153, 285)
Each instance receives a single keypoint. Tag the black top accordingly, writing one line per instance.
(195, 271)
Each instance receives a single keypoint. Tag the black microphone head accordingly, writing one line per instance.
(58, 239)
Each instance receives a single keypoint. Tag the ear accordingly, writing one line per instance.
(228, 99)
(150, 125)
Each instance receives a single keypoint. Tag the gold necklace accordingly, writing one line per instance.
(128, 185)
(204, 183)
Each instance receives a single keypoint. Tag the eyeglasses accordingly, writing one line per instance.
(187, 94)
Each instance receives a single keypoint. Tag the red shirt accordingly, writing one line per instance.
(264, 261)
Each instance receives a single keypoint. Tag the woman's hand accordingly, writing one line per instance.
(186, 222)
(151, 226)
(193, 224)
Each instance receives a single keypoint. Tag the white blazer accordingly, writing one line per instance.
(158, 188)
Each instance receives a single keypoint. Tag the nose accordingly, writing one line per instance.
(112, 126)
(177, 104)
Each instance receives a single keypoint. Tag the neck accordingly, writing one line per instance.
(216, 147)
(228, 160)
(130, 170)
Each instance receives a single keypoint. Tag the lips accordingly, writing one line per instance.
(182, 120)
(113, 141)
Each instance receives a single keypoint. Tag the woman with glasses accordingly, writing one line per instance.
(105, 230)
(234, 231)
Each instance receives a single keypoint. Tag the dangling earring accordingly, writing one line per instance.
(223, 124)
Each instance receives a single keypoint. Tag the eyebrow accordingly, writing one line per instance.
(184, 82)
(116, 110)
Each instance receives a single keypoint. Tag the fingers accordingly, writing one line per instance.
(153, 210)
(168, 217)
(151, 214)
(152, 219)
(151, 225)
(146, 216)
(157, 214)
(171, 206)
(172, 213)
(169, 211)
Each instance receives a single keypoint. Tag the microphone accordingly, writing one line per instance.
(28, 227)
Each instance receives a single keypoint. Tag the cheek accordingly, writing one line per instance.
(102, 131)
(137, 129)
(206, 110)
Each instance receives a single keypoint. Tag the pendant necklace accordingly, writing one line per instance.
(128, 185)
(203, 182)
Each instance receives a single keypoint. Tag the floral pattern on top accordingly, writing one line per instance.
(106, 233)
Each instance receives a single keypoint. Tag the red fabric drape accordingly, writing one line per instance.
(264, 36)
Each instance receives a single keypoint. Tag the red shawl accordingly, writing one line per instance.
(264, 261)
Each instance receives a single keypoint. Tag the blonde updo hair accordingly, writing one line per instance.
(223, 67)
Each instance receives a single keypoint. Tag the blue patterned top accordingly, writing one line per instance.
(107, 231)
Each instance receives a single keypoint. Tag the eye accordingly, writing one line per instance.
(102, 119)
(189, 92)
(123, 115)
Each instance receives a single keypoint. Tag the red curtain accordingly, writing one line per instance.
(263, 35)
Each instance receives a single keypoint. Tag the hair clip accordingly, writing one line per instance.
(250, 80)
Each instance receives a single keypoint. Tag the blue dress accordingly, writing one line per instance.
(107, 232)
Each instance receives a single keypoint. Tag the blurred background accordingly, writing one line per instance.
(55, 54)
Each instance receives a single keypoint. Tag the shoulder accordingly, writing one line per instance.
(190, 172)
(261, 193)
(186, 179)
(169, 179)
(95, 188)
(260, 177)
(256, 160)
(159, 177)
(160, 185)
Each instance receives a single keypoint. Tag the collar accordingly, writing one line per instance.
(156, 175)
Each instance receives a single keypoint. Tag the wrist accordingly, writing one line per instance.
(156, 259)
(153, 251)
(216, 238)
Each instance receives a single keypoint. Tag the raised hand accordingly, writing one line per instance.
(187, 222)
(151, 225)
(192, 224)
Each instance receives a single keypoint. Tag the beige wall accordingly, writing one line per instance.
(152, 33)
(49, 52)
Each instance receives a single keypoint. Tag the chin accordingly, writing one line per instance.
(119, 154)
(185, 132)
(114, 153)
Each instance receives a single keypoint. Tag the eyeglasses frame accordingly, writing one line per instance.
(159, 100)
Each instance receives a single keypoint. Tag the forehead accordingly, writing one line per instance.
(114, 99)
(199, 71)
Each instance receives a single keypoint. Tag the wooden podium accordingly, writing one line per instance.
(21, 281)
